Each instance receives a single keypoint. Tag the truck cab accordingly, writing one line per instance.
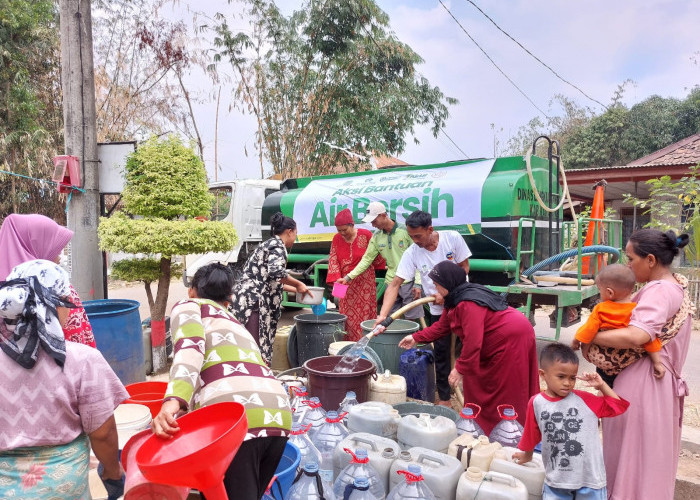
(238, 202)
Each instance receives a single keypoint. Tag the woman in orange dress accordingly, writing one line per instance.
(347, 248)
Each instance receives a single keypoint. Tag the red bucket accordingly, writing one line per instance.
(147, 393)
(198, 455)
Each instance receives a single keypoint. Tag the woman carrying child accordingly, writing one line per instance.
(642, 445)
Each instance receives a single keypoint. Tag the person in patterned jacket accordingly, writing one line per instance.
(217, 360)
(257, 301)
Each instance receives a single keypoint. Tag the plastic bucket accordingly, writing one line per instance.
(315, 333)
(386, 345)
(131, 419)
(148, 394)
(285, 473)
(116, 325)
(339, 290)
(331, 387)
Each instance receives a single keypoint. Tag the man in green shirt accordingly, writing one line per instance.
(390, 241)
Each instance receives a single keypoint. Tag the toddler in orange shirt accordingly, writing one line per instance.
(615, 284)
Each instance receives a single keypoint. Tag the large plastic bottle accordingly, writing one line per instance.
(299, 395)
(412, 488)
(359, 466)
(308, 485)
(382, 453)
(328, 436)
(347, 403)
(467, 422)
(314, 414)
(299, 438)
(359, 490)
(508, 431)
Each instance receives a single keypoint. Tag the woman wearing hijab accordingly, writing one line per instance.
(498, 364)
(30, 237)
(54, 394)
(347, 249)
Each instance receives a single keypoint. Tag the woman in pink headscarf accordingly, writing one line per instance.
(30, 237)
(347, 248)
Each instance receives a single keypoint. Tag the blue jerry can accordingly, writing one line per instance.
(417, 366)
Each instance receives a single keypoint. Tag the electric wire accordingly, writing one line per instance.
(534, 56)
(493, 62)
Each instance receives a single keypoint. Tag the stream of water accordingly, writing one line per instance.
(349, 361)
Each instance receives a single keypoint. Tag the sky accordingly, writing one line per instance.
(595, 44)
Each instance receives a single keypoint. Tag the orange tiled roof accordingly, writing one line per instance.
(684, 152)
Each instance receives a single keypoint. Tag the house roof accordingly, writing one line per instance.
(683, 152)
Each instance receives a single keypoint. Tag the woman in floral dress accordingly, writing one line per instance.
(257, 299)
(347, 248)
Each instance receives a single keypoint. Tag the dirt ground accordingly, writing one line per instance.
(689, 460)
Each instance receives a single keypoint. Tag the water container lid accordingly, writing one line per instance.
(315, 399)
(361, 482)
(361, 453)
(467, 413)
(331, 415)
(388, 453)
(350, 395)
(311, 467)
(414, 469)
(509, 412)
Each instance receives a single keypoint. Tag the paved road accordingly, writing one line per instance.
(178, 291)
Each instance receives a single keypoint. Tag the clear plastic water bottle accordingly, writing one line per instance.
(347, 403)
(299, 438)
(467, 423)
(413, 487)
(359, 466)
(508, 431)
(299, 395)
(309, 486)
(314, 414)
(329, 435)
(359, 490)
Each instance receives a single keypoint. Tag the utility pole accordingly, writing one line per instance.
(80, 136)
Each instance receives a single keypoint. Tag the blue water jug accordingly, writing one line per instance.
(417, 366)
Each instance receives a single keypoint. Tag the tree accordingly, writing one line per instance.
(140, 63)
(651, 125)
(332, 75)
(166, 185)
(31, 122)
(674, 205)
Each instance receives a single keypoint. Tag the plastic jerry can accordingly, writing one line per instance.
(388, 388)
(473, 452)
(508, 431)
(359, 466)
(417, 366)
(530, 473)
(374, 417)
(434, 432)
(381, 452)
(440, 472)
(491, 485)
(412, 486)
(467, 422)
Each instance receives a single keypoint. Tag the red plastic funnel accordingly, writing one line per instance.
(198, 455)
(147, 393)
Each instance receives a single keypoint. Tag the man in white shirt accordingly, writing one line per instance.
(430, 248)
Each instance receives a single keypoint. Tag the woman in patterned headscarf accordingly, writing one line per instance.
(34, 236)
(53, 394)
(257, 300)
(347, 249)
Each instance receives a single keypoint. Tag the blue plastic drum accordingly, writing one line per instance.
(116, 324)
